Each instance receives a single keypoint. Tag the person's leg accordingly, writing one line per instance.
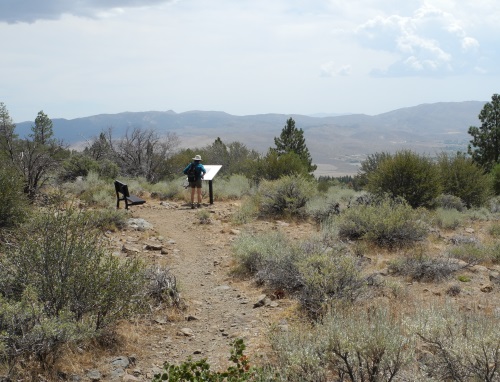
(192, 196)
(199, 195)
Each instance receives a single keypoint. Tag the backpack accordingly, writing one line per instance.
(191, 173)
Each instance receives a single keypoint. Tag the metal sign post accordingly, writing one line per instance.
(212, 170)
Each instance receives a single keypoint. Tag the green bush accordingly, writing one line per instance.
(197, 371)
(424, 268)
(286, 196)
(461, 346)
(388, 224)
(13, 205)
(463, 178)
(449, 202)
(448, 218)
(471, 253)
(61, 256)
(408, 175)
(234, 187)
(270, 257)
(161, 286)
(329, 276)
(349, 345)
(78, 165)
(27, 330)
(247, 212)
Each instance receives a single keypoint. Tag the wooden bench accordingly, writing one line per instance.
(123, 194)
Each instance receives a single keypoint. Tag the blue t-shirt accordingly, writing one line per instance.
(200, 169)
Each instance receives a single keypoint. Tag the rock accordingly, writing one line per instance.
(120, 361)
(186, 332)
(139, 224)
(94, 375)
(234, 231)
(191, 318)
(261, 301)
(487, 288)
(129, 377)
(117, 373)
(495, 277)
(130, 249)
(152, 246)
(197, 351)
(469, 230)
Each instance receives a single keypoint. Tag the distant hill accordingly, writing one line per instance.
(337, 143)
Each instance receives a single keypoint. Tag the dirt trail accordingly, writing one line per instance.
(220, 308)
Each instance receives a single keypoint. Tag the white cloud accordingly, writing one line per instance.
(431, 41)
(330, 69)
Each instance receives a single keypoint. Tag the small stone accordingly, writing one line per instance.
(487, 288)
(152, 246)
(197, 351)
(469, 230)
(120, 361)
(234, 231)
(186, 332)
(94, 375)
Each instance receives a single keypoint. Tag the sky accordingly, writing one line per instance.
(85, 57)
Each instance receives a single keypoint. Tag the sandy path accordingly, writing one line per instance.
(220, 308)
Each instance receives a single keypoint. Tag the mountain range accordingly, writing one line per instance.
(337, 142)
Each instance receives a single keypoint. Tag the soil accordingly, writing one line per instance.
(218, 306)
(221, 306)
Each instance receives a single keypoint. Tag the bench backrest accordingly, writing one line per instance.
(121, 188)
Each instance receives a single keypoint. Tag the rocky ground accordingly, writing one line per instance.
(219, 307)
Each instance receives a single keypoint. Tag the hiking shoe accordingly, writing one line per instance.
(198, 205)
(192, 206)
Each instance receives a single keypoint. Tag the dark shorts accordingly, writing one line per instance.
(196, 184)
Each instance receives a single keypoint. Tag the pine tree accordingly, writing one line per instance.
(292, 140)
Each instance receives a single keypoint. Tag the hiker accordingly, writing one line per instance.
(195, 172)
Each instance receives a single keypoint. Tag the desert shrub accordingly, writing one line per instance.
(270, 257)
(60, 254)
(60, 285)
(28, 332)
(78, 165)
(203, 217)
(470, 253)
(13, 205)
(109, 219)
(234, 187)
(480, 214)
(247, 212)
(462, 346)
(388, 224)
(286, 196)
(161, 286)
(462, 177)
(494, 230)
(448, 218)
(449, 202)
(454, 290)
(328, 276)
(408, 175)
(173, 189)
(108, 169)
(93, 190)
(424, 268)
(322, 207)
(350, 345)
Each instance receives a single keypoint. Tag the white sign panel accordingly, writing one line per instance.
(212, 170)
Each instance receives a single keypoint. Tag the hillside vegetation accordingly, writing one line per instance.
(396, 278)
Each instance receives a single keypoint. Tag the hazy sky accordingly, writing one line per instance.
(79, 58)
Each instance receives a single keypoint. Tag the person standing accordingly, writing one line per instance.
(195, 172)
